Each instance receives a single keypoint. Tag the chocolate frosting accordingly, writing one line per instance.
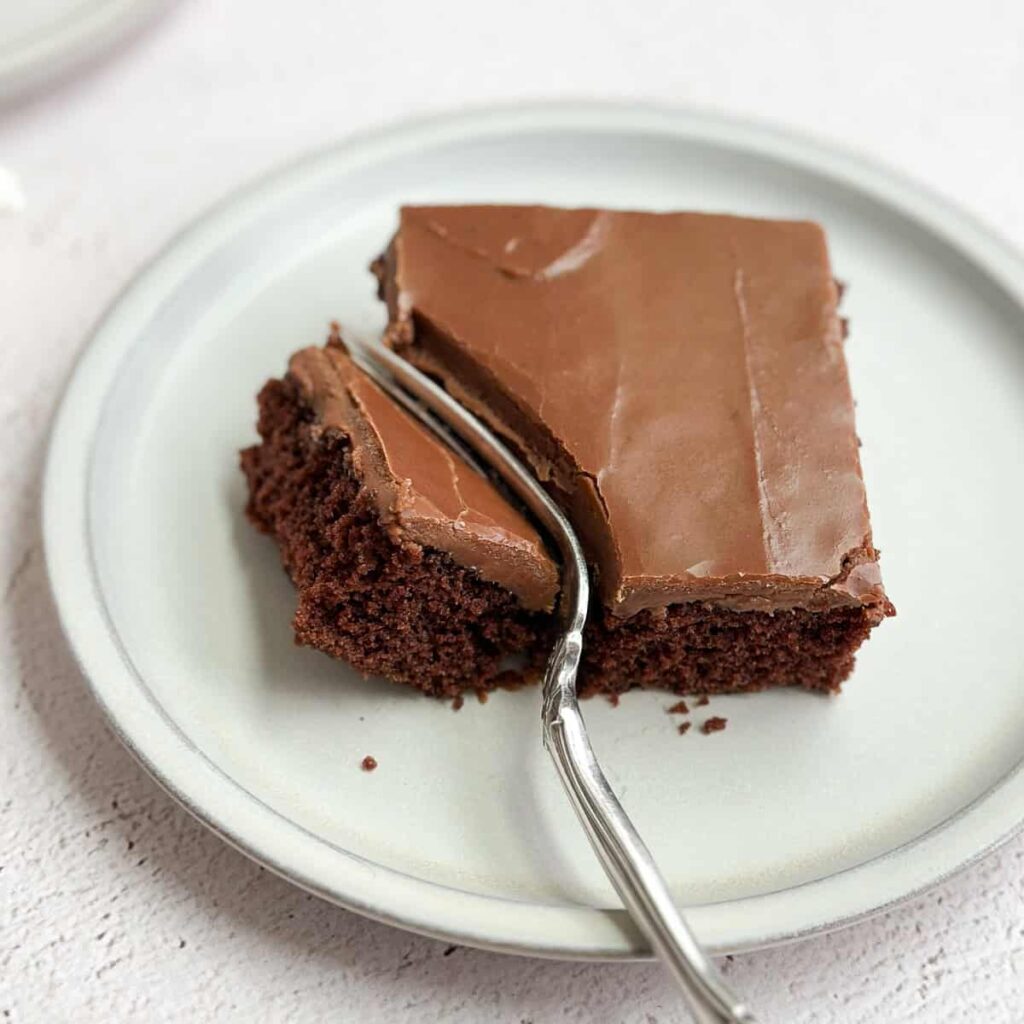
(678, 379)
(426, 494)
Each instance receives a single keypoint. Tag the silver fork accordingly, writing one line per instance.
(623, 854)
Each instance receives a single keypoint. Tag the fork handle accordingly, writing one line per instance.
(624, 855)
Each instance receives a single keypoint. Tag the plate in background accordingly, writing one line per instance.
(43, 39)
(806, 813)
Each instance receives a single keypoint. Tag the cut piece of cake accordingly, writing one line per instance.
(408, 563)
(678, 381)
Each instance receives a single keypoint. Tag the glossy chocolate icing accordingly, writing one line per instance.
(678, 379)
(425, 494)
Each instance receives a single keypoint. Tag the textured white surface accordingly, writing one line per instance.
(114, 905)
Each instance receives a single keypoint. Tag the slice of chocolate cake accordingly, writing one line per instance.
(678, 381)
(408, 563)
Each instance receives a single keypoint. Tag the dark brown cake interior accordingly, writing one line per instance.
(700, 648)
(389, 608)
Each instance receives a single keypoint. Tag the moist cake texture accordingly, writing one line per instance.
(678, 381)
(408, 563)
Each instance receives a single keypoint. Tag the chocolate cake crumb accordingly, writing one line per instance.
(703, 700)
(613, 699)
(684, 727)
(481, 696)
(679, 708)
(368, 763)
(715, 724)
(458, 702)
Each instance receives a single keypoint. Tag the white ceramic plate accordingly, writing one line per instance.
(42, 39)
(806, 813)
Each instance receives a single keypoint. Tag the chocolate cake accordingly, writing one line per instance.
(408, 563)
(678, 382)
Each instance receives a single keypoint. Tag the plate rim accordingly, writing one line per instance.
(387, 895)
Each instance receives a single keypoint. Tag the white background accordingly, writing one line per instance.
(114, 905)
